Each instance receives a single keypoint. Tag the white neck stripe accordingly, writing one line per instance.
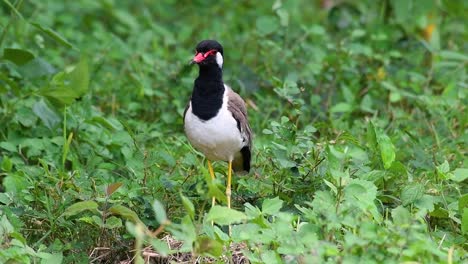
(219, 59)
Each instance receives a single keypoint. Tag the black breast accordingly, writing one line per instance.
(207, 98)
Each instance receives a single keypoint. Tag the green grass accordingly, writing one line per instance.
(358, 111)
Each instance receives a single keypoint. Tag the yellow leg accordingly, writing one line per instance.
(228, 189)
(210, 168)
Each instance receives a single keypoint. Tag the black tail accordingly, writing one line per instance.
(245, 151)
(242, 162)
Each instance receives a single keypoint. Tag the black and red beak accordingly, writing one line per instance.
(200, 56)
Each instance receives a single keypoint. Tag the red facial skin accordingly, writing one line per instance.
(199, 57)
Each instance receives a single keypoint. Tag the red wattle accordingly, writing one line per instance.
(198, 57)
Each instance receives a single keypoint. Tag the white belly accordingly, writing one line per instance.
(218, 138)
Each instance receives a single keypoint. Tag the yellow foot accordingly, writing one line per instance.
(228, 189)
(213, 199)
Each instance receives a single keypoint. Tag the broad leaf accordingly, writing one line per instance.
(387, 150)
(460, 175)
(66, 87)
(6, 165)
(113, 222)
(160, 247)
(36, 68)
(208, 247)
(125, 213)
(463, 202)
(15, 183)
(79, 207)
(371, 136)
(464, 225)
(225, 216)
(160, 212)
(53, 258)
(17, 56)
(411, 193)
(266, 25)
(47, 115)
(401, 216)
(188, 206)
(272, 206)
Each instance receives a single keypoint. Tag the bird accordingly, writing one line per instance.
(215, 119)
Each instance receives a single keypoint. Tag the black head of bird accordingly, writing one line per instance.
(208, 53)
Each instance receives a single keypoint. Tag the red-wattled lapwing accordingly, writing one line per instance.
(215, 120)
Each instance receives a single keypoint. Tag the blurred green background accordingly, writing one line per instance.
(358, 110)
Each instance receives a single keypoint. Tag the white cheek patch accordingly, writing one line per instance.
(219, 59)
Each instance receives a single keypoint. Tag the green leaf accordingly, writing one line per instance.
(113, 222)
(36, 68)
(220, 235)
(87, 219)
(54, 35)
(137, 230)
(463, 203)
(452, 55)
(439, 212)
(79, 77)
(460, 175)
(443, 169)
(225, 216)
(97, 220)
(374, 176)
(401, 216)
(47, 115)
(160, 212)
(331, 186)
(272, 206)
(8, 146)
(322, 203)
(79, 207)
(361, 189)
(362, 194)
(266, 25)
(160, 247)
(411, 193)
(6, 227)
(25, 116)
(125, 213)
(464, 225)
(271, 257)
(188, 205)
(283, 16)
(15, 183)
(17, 56)
(66, 87)
(208, 247)
(371, 136)
(103, 122)
(341, 108)
(54, 258)
(425, 203)
(387, 150)
(7, 165)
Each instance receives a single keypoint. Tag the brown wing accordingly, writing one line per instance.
(236, 106)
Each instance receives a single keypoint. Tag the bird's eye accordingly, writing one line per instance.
(210, 52)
